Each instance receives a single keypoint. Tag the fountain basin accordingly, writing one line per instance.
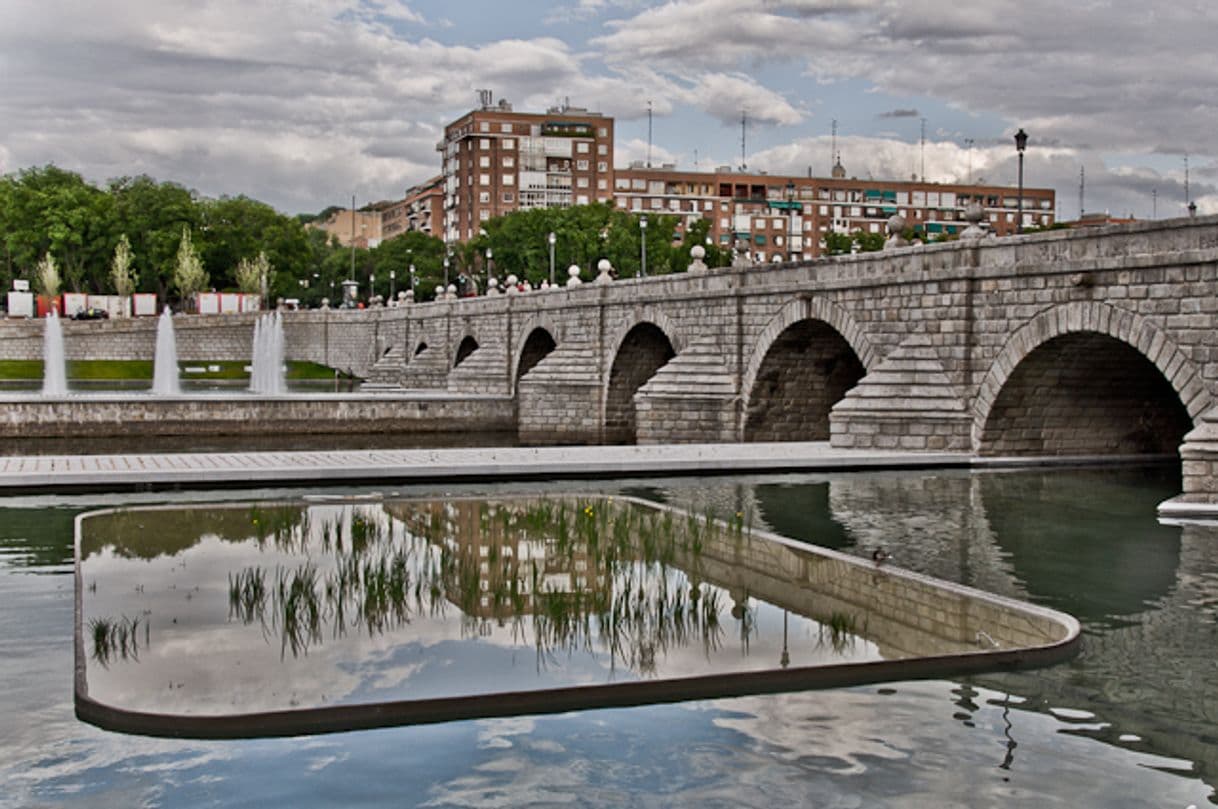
(122, 415)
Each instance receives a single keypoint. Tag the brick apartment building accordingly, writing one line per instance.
(788, 216)
(496, 160)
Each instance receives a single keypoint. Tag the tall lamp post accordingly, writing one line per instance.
(412, 280)
(392, 279)
(1021, 143)
(446, 262)
(490, 267)
(643, 245)
(551, 239)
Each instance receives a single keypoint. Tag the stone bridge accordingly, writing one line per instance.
(1078, 342)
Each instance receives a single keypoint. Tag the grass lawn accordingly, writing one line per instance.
(129, 370)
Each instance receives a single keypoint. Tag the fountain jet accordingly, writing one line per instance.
(266, 376)
(165, 361)
(54, 374)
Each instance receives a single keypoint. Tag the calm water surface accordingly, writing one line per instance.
(1131, 722)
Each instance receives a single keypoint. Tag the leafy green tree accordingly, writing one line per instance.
(153, 215)
(423, 251)
(239, 227)
(51, 210)
(252, 274)
(189, 276)
(122, 276)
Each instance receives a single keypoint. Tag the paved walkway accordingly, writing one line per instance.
(208, 469)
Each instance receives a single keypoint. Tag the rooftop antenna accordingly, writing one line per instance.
(484, 98)
(744, 117)
(923, 173)
(649, 133)
(1154, 203)
(968, 144)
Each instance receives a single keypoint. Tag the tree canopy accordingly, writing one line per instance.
(139, 224)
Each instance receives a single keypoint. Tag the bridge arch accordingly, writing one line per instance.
(1088, 378)
(639, 350)
(812, 351)
(530, 344)
(467, 346)
(537, 345)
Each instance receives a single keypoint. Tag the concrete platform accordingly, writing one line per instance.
(61, 473)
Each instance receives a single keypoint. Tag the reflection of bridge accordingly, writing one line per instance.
(1149, 594)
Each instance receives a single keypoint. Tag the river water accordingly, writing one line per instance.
(1130, 722)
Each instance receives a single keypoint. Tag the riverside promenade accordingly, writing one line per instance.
(201, 470)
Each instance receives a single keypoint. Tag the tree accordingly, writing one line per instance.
(122, 277)
(46, 276)
(51, 210)
(153, 215)
(253, 276)
(189, 277)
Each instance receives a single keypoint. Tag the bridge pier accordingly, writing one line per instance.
(1199, 455)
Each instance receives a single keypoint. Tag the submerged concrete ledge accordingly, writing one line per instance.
(212, 470)
(922, 627)
(234, 414)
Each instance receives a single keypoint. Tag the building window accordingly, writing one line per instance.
(581, 182)
(638, 183)
(484, 196)
(483, 214)
(505, 127)
(484, 179)
(484, 143)
(509, 162)
(602, 166)
(509, 179)
(604, 131)
(485, 126)
(602, 184)
(508, 196)
(602, 149)
(582, 147)
(582, 199)
(581, 165)
(484, 162)
(508, 143)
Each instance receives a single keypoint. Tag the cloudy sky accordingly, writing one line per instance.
(302, 103)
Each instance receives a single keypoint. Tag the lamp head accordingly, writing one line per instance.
(1021, 140)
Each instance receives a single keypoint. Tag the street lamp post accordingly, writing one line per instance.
(412, 279)
(551, 239)
(1021, 143)
(446, 273)
(371, 287)
(643, 246)
(392, 279)
(490, 267)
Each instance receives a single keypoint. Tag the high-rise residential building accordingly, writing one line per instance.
(496, 161)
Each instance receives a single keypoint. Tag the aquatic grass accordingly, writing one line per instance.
(116, 639)
(247, 594)
(842, 629)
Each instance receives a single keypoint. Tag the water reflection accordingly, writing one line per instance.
(435, 599)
